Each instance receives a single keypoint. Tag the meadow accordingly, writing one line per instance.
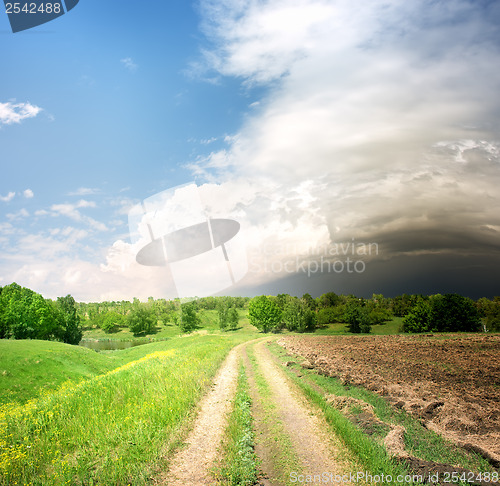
(116, 427)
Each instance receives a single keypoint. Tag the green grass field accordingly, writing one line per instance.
(116, 427)
(391, 327)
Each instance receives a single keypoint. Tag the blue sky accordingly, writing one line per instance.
(314, 122)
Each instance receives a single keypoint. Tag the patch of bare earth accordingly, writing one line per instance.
(452, 385)
(317, 451)
(190, 466)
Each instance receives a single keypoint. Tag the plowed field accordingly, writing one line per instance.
(452, 383)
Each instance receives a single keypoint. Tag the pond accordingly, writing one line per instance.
(106, 345)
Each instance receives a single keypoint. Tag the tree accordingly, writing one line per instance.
(189, 320)
(233, 318)
(356, 317)
(264, 313)
(227, 313)
(419, 318)
(298, 316)
(309, 301)
(453, 312)
(111, 321)
(489, 310)
(141, 319)
(223, 314)
(72, 332)
(327, 315)
(329, 299)
(443, 313)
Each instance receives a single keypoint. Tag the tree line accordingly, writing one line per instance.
(25, 314)
(420, 313)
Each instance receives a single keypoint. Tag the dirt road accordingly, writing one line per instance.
(290, 434)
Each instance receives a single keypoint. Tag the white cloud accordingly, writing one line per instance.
(28, 193)
(17, 112)
(71, 210)
(22, 213)
(8, 197)
(129, 64)
(84, 191)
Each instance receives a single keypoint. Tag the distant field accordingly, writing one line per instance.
(391, 327)
(209, 323)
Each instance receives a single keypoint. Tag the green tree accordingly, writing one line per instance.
(453, 312)
(356, 317)
(227, 313)
(309, 301)
(233, 318)
(71, 330)
(141, 319)
(298, 316)
(111, 322)
(419, 318)
(189, 319)
(264, 313)
(489, 311)
(329, 299)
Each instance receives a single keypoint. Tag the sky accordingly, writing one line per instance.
(356, 144)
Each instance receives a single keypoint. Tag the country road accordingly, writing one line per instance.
(291, 436)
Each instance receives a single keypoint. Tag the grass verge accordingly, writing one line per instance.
(238, 463)
(115, 428)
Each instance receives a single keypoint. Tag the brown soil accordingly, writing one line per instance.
(452, 385)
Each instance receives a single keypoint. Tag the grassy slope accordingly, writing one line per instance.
(28, 368)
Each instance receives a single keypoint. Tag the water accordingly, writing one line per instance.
(110, 345)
